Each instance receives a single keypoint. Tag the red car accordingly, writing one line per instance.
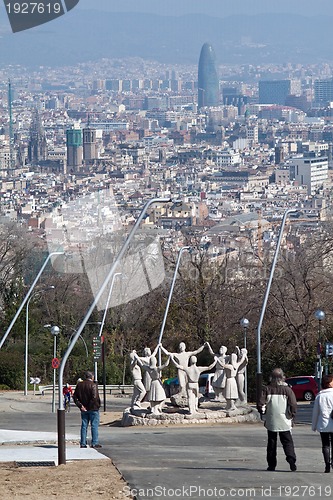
(305, 387)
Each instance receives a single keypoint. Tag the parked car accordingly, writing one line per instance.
(305, 387)
(171, 385)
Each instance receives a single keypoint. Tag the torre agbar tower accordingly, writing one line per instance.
(208, 82)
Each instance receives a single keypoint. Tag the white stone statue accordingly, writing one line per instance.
(219, 378)
(157, 394)
(139, 390)
(145, 359)
(241, 373)
(192, 385)
(182, 358)
(231, 390)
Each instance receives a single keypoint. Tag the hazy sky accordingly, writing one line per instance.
(213, 7)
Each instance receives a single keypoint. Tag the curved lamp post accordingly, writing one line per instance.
(263, 310)
(26, 298)
(320, 316)
(180, 253)
(103, 321)
(81, 337)
(27, 336)
(61, 410)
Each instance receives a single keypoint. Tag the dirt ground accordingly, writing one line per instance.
(93, 479)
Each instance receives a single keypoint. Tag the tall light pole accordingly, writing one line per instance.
(262, 314)
(84, 342)
(55, 332)
(244, 322)
(103, 320)
(26, 298)
(320, 316)
(180, 253)
(61, 410)
(27, 337)
(81, 337)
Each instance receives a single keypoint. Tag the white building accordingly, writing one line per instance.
(311, 171)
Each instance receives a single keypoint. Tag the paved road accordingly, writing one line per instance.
(218, 461)
(226, 457)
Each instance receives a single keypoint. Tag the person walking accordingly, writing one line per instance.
(86, 398)
(278, 403)
(322, 419)
(67, 393)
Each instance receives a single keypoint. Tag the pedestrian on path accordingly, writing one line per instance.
(278, 404)
(322, 419)
(86, 398)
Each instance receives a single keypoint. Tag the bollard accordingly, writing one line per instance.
(61, 437)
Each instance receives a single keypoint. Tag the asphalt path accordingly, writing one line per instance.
(216, 461)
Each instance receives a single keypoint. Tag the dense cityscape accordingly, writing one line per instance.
(262, 143)
(166, 248)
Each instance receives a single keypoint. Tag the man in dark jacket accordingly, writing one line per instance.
(279, 405)
(86, 398)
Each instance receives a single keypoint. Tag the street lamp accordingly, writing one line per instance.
(27, 337)
(101, 330)
(84, 342)
(55, 332)
(26, 298)
(320, 316)
(103, 341)
(244, 322)
(61, 409)
(80, 336)
(263, 309)
(181, 251)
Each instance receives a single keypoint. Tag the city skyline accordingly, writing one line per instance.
(242, 38)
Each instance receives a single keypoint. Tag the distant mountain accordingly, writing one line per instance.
(83, 35)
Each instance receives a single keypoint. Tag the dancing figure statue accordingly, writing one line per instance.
(193, 373)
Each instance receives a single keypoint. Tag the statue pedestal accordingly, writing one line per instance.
(210, 412)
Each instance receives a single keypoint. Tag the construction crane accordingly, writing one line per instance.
(11, 136)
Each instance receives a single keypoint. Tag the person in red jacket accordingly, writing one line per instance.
(67, 393)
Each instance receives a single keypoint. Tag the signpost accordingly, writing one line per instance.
(97, 348)
(55, 363)
(35, 381)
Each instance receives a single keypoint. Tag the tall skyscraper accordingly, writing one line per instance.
(208, 82)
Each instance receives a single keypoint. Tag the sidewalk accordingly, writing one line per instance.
(35, 445)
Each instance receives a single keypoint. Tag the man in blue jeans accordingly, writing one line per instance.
(86, 398)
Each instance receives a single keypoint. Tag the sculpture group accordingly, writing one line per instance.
(228, 381)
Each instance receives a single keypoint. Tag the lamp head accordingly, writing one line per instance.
(55, 330)
(244, 322)
(319, 315)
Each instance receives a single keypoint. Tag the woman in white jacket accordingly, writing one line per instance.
(322, 419)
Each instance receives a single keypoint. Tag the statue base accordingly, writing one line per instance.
(180, 400)
(208, 413)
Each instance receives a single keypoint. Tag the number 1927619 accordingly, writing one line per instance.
(302, 491)
(34, 8)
